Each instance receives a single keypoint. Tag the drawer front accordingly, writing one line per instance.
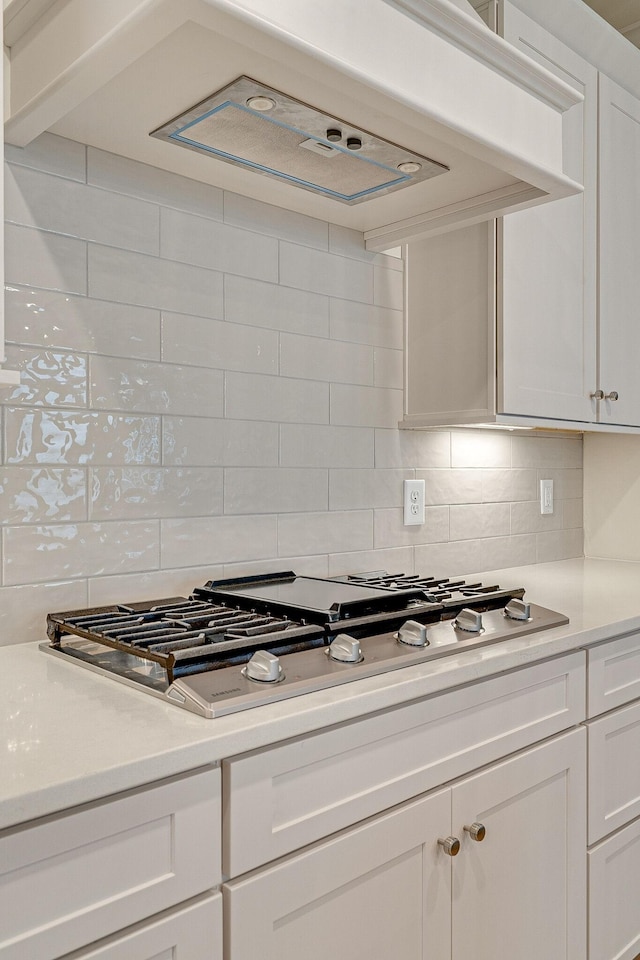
(613, 674)
(280, 799)
(193, 932)
(614, 771)
(70, 880)
(614, 881)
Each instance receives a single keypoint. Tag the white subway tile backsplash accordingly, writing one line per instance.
(216, 246)
(122, 493)
(31, 553)
(508, 485)
(50, 318)
(472, 521)
(255, 397)
(316, 566)
(315, 359)
(471, 556)
(310, 445)
(388, 288)
(364, 489)
(59, 436)
(538, 452)
(526, 517)
(215, 343)
(46, 260)
(393, 559)
(567, 484)
(217, 540)
(365, 323)
(413, 448)
(350, 243)
(480, 448)
(23, 611)
(47, 377)
(148, 585)
(313, 533)
(365, 406)
(261, 217)
(451, 486)
(64, 206)
(121, 175)
(388, 368)
(558, 545)
(200, 441)
(51, 154)
(326, 273)
(42, 494)
(135, 385)
(274, 490)
(278, 308)
(128, 277)
(389, 531)
(572, 514)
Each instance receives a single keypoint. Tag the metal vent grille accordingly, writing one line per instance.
(290, 142)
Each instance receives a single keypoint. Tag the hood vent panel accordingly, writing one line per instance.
(294, 142)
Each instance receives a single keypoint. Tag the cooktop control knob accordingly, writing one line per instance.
(263, 667)
(412, 633)
(518, 610)
(469, 620)
(346, 649)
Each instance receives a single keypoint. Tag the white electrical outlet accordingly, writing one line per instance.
(413, 502)
(546, 496)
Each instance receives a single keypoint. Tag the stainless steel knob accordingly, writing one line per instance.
(518, 610)
(263, 667)
(597, 395)
(468, 620)
(346, 649)
(412, 633)
(450, 845)
(611, 396)
(476, 831)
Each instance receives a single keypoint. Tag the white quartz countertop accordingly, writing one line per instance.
(70, 736)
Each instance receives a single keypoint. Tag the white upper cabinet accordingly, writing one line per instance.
(424, 74)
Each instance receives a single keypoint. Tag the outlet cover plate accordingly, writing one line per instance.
(413, 502)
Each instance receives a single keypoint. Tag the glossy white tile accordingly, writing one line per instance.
(47, 377)
(412, 448)
(393, 559)
(313, 533)
(197, 441)
(149, 585)
(315, 359)
(57, 436)
(121, 175)
(388, 368)
(274, 490)
(480, 448)
(216, 343)
(451, 486)
(137, 492)
(256, 397)
(388, 288)
(567, 484)
(278, 308)
(364, 489)
(23, 610)
(546, 452)
(526, 517)
(217, 540)
(33, 257)
(51, 154)
(264, 218)
(472, 521)
(365, 323)
(350, 243)
(51, 318)
(389, 530)
(40, 200)
(32, 553)
(558, 545)
(42, 494)
(365, 406)
(572, 513)
(318, 272)
(128, 277)
(135, 385)
(461, 557)
(316, 566)
(508, 485)
(310, 445)
(208, 243)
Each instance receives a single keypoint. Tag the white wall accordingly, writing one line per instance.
(211, 386)
(612, 496)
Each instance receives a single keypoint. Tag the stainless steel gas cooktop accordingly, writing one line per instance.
(234, 644)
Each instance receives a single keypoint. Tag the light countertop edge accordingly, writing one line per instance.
(71, 736)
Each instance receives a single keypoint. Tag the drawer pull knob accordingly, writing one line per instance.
(611, 396)
(450, 845)
(476, 831)
(597, 395)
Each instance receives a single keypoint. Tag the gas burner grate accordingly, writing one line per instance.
(452, 594)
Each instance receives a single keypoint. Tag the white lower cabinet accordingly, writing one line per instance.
(387, 888)
(614, 885)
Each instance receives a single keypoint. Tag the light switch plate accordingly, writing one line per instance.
(413, 502)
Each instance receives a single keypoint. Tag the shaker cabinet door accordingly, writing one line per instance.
(379, 890)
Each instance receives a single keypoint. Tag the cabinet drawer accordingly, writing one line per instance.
(72, 879)
(193, 932)
(614, 771)
(613, 674)
(614, 881)
(280, 799)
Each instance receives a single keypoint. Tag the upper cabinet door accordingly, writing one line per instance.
(547, 259)
(619, 246)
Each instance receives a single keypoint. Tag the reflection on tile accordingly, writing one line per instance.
(43, 436)
(154, 387)
(315, 445)
(274, 490)
(275, 307)
(42, 495)
(216, 540)
(48, 377)
(480, 448)
(31, 553)
(302, 533)
(45, 259)
(23, 611)
(122, 493)
(413, 448)
(49, 318)
(197, 441)
(216, 343)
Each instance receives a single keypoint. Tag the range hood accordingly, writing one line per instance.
(424, 77)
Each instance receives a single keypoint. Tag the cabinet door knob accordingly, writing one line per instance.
(450, 845)
(477, 831)
(611, 396)
(598, 395)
